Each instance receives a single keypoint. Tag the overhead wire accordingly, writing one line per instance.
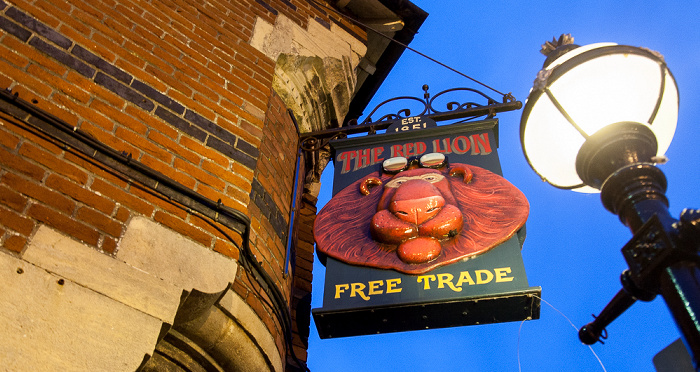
(404, 45)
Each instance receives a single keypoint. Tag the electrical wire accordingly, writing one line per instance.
(246, 258)
(570, 322)
(403, 45)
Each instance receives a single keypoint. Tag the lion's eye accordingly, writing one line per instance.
(396, 182)
(432, 178)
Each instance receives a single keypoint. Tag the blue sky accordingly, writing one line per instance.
(573, 244)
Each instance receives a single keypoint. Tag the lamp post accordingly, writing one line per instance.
(599, 118)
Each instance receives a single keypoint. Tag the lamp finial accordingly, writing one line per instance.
(549, 46)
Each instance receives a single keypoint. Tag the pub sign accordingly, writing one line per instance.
(422, 232)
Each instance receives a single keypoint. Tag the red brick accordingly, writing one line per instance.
(204, 151)
(152, 122)
(159, 200)
(13, 57)
(7, 139)
(64, 223)
(15, 243)
(38, 192)
(183, 228)
(199, 174)
(16, 222)
(72, 90)
(174, 147)
(122, 215)
(55, 7)
(109, 245)
(143, 144)
(227, 249)
(27, 85)
(99, 221)
(12, 198)
(80, 193)
(94, 167)
(169, 171)
(110, 140)
(122, 197)
(54, 163)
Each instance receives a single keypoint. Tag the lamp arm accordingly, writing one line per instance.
(595, 331)
(663, 255)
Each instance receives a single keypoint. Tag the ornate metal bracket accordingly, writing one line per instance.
(312, 143)
(652, 250)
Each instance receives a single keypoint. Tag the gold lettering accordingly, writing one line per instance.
(358, 288)
(391, 285)
(501, 275)
(464, 277)
(426, 279)
(374, 287)
(480, 279)
(340, 288)
(447, 278)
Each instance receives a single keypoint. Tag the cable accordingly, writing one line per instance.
(353, 20)
(121, 165)
(570, 322)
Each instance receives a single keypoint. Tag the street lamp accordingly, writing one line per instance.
(598, 119)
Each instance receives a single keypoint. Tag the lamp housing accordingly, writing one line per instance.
(587, 96)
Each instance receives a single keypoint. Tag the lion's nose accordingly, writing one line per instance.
(416, 201)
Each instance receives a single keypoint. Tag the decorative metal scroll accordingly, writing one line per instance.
(453, 109)
(313, 142)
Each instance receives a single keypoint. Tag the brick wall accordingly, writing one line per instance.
(173, 85)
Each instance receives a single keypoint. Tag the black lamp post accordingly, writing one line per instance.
(598, 119)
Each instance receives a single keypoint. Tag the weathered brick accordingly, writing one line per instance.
(180, 124)
(160, 201)
(199, 174)
(183, 227)
(205, 152)
(38, 192)
(12, 198)
(8, 139)
(122, 214)
(54, 163)
(247, 148)
(122, 197)
(227, 249)
(231, 152)
(157, 96)
(63, 57)
(14, 29)
(101, 64)
(168, 170)
(143, 144)
(39, 28)
(110, 140)
(16, 221)
(17, 163)
(151, 122)
(124, 91)
(109, 244)
(15, 243)
(174, 147)
(80, 193)
(210, 127)
(99, 221)
(28, 86)
(64, 223)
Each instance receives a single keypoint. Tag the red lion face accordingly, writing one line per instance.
(420, 219)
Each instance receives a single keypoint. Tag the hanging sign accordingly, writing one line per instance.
(422, 232)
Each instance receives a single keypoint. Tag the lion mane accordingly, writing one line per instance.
(492, 211)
